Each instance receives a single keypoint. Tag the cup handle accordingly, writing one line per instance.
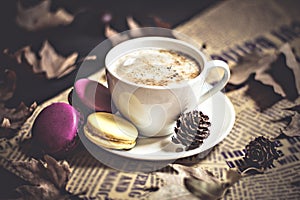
(221, 84)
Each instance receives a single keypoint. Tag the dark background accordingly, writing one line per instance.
(82, 35)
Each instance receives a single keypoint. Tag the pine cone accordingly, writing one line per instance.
(260, 153)
(191, 129)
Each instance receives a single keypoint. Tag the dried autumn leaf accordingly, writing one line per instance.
(109, 31)
(292, 63)
(199, 182)
(173, 186)
(291, 121)
(264, 95)
(39, 16)
(113, 35)
(53, 64)
(295, 108)
(132, 24)
(232, 177)
(57, 173)
(204, 190)
(267, 79)
(31, 59)
(5, 130)
(27, 54)
(5, 123)
(134, 27)
(88, 58)
(11, 119)
(16, 116)
(251, 63)
(293, 128)
(283, 74)
(278, 69)
(7, 85)
(211, 188)
(117, 38)
(47, 180)
(160, 23)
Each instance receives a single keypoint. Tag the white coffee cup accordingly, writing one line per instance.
(154, 109)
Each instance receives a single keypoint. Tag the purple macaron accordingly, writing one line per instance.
(55, 129)
(93, 95)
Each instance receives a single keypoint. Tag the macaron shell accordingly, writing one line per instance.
(93, 95)
(107, 143)
(55, 128)
(112, 126)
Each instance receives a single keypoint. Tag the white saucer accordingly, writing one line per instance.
(222, 116)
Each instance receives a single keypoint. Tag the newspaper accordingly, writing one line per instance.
(235, 27)
(278, 182)
(240, 27)
(230, 28)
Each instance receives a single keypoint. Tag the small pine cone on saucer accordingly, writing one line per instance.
(191, 129)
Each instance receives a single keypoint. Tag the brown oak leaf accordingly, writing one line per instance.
(5, 130)
(16, 116)
(46, 180)
(295, 108)
(113, 35)
(134, 27)
(293, 127)
(53, 64)
(160, 23)
(40, 17)
(210, 187)
(116, 38)
(291, 121)
(132, 24)
(28, 54)
(11, 119)
(109, 31)
(195, 181)
(292, 63)
(264, 95)
(278, 69)
(255, 62)
(7, 84)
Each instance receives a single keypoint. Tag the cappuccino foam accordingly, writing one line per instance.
(156, 67)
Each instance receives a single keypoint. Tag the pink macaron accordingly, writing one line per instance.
(91, 95)
(55, 129)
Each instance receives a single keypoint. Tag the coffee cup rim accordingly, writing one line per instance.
(155, 38)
